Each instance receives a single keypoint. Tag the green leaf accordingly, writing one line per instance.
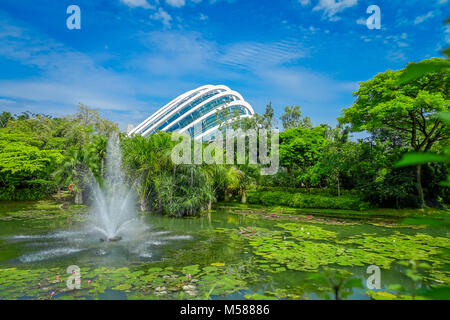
(444, 116)
(417, 70)
(414, 158)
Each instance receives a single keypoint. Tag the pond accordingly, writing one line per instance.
(219, 255)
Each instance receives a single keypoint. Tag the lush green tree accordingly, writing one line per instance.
(301, 147)
(293, 118)
(146, 160)
(24, 164)
(410, 109)
(268, 118)
(4, 118)
(74, 170)
(413, 158)
(186, 191)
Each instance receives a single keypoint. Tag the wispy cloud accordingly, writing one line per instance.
(253, 54)
(176, 3)
(362, 21)
(332, 7)
(65, 77)
(424, 17)
(138, 3)
(163, 16)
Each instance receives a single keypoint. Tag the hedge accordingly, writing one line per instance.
(316, 191)
(301, 200)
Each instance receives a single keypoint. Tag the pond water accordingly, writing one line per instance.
(220, 255)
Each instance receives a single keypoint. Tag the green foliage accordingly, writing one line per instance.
(301, 147)
(339, 282)
(408, 108)
(415, 158)
(292, 118)
(25, 166)
(300, 200)
(161, 185)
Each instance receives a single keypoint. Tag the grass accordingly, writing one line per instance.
(339, 213)
(43, 209)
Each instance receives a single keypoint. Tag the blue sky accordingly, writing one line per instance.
(133, 56)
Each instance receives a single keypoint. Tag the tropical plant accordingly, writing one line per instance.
(410, 109)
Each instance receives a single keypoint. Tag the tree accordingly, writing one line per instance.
(146, 159)
(301, 147)
(4, 118)
(292, 118)
(410, 109)
(74, 169)
(25, 165)
(268, 119)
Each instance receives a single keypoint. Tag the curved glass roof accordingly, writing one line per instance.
(195, 112)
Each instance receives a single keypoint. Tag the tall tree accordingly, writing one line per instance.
(293, 118)
(408, 108)
(269, 120)
(4, 118)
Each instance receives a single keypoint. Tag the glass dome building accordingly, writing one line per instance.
(195, 112)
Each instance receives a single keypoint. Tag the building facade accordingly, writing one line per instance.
(196, 113)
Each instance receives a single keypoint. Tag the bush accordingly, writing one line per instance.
(301, 200)
(32, 190)
(316, 191)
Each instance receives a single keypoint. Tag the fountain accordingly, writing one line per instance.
(114, 213)
(113, 218)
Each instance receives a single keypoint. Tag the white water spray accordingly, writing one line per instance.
(114, 213)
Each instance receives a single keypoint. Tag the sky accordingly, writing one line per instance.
(131, 57)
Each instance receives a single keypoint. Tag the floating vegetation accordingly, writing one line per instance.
(236, 257)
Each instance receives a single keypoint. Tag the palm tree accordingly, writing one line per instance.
(73, 170)
(145, 159)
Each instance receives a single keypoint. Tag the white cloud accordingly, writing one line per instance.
(176, 53)
(252, 54)
(174, 62)
(137, 3)
(447, 33)
(65, 77)
(304, 2)
(332, 7)
(424, 17)
(162, 16)
(362, 21)
(203, 17)
(176, 3)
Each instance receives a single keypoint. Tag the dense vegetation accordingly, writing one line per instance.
(320, 166)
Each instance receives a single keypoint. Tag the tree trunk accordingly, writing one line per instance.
(244, 197)
(209, 205)
(143, 203)
(160, 206)
(78, 197)
(339, 187)
(419, 185)
(336, 293)
(227, 196)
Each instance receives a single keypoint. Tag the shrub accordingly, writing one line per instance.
(301, 200)
(317, 191)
